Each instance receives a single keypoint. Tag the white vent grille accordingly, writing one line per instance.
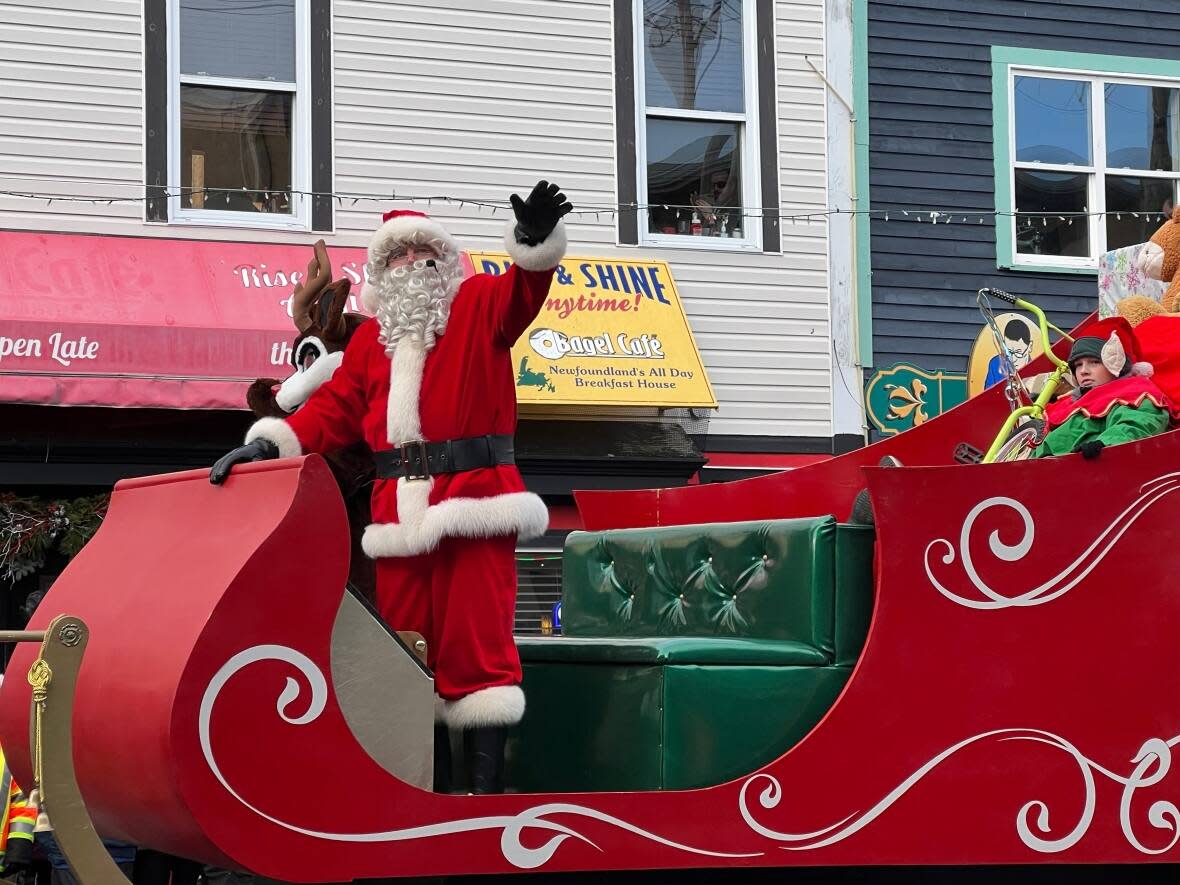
(538, 583)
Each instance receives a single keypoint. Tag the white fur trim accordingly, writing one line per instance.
(278, 432)
(299, 386)
(398, 230)
(546, 255)
(402, 422)
(1143, 370)
(369, 296)
(521, 513)
(440, 710)
(421, 527)
(498, 705)
(384, 539)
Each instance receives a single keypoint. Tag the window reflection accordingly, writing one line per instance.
(1052, 121)
(1141, 127)
(1042, 232)
(693, 54)
(694, 178)
(235, 149)
(1135, 208)
(232, 38)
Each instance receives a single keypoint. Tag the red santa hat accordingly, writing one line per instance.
(1113, 343)
(402, 226)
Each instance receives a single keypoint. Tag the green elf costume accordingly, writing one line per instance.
(1128, 408)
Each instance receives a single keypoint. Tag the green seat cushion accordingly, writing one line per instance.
(671, 650)
(587, 728)
(721, 723)
(606, 727)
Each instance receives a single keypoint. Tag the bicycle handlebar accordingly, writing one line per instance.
(999, 293)
(1042, 321)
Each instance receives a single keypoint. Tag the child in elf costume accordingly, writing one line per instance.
(1114, 400)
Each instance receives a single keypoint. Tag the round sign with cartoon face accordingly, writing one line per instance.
(1022, 340)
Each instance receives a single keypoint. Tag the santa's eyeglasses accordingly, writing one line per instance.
(398, 253)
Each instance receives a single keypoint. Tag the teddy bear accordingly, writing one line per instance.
(1160, 260)
(1157, 325)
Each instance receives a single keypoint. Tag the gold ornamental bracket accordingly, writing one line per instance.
(54, 678)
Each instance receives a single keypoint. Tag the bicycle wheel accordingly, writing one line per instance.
(1021, 443)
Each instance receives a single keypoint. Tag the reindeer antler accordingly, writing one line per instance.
(319, 274)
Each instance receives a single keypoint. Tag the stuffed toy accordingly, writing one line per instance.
(1159, 260)
(324, 330)
(317, 309)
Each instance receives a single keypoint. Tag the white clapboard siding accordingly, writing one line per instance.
(472, 99)
(71, 112)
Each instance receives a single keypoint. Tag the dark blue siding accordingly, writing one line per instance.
(930, 132)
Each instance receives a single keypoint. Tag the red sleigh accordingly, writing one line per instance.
(1012, 704)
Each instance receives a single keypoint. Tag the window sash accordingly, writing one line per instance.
(238, 83)
(243, 26)
(1096, 173)
(703, 116)
(300, 217)
(1110, 170)
(747, 140)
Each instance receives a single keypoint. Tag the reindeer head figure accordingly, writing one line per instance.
(317, 307)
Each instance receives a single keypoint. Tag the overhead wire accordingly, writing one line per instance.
(933, 215)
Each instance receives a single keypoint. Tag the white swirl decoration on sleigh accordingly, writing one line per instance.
(1151, 765)
(1056, 586)
(511, 826)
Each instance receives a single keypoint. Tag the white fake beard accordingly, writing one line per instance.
(414, 301)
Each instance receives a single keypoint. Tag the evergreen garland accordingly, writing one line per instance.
(32, 528)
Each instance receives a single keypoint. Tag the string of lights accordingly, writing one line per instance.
(583, 210)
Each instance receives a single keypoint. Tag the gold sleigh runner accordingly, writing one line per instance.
(54, 677)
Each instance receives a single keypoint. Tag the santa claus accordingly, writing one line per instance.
(428, 384)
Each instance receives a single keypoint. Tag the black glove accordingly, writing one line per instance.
(18, 860)
(1090, 450)
(538, 215)
(259, 450)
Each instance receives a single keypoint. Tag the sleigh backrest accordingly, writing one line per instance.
(802, 581)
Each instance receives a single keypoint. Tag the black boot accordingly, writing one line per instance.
(442, 759)
(483, 754)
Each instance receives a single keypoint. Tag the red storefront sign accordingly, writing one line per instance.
(148, 322)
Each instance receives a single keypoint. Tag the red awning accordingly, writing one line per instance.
(147, 322)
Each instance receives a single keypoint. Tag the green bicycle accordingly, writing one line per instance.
(1025, 427)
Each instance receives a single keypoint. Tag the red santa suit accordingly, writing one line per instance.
(444, 547)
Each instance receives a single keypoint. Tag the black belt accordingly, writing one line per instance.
(421, 460)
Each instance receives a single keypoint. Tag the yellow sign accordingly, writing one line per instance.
(612, 333)
(1021, 337)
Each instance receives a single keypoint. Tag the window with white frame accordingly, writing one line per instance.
(1094, 162)
(238, 112)
(696, 122)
